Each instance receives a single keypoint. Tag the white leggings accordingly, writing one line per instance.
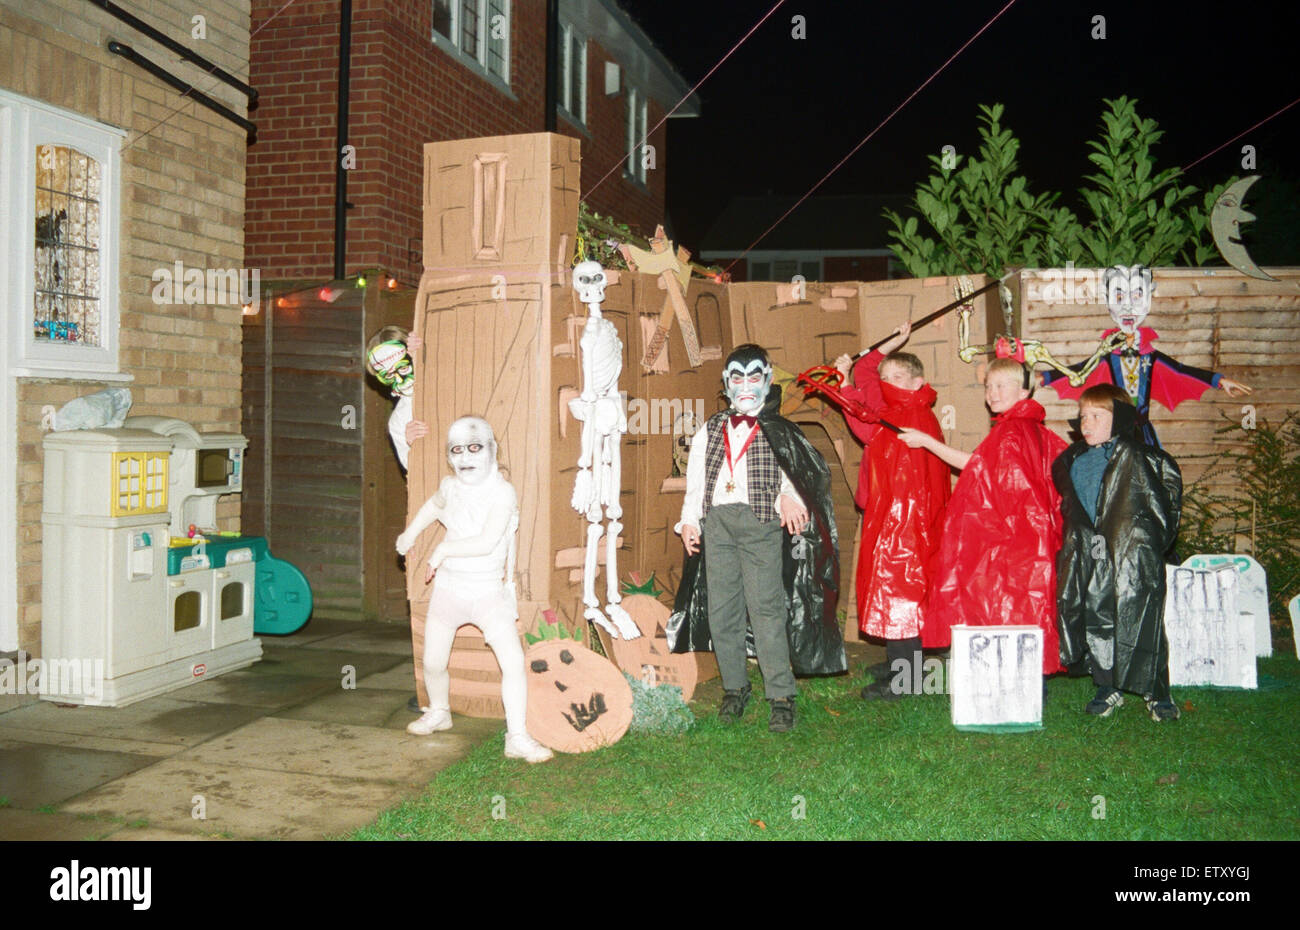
(494, 616)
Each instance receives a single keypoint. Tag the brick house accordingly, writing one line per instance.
(428, 71)
(120, 178)
(321, 486)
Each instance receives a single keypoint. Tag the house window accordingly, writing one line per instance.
(479, 30)
(573, 89)
(59, 221)
(637, 153)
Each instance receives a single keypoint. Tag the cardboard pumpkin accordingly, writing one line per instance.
(648, 658)
(577, 700)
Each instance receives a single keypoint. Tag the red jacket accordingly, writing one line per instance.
(996, 561)
(902, 493)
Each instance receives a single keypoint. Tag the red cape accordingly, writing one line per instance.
(902, 493)
(996, 561)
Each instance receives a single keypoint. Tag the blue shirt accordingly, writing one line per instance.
(1086, 472)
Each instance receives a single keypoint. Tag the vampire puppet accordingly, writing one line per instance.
(1135, 365)
(1111, 609)
(810, 569)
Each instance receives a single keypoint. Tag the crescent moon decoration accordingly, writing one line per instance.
(1225, 223)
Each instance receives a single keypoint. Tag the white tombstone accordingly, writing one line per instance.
(1294, 607)
(1211, 641)
(1252, 592)
(996, 677)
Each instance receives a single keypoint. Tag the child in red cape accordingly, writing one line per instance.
(901, 492)
(996, 561)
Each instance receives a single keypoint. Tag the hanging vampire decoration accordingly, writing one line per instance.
(1132, 363)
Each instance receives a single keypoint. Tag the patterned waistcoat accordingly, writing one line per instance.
(762, 473)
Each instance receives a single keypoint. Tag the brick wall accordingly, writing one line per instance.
(182, 197)
(404, 92)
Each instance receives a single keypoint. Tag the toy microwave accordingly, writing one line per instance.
(219, 463)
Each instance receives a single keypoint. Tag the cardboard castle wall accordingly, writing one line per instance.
(502, 321)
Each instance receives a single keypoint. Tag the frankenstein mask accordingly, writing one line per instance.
(389, 363)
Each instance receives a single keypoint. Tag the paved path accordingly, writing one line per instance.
(281, 750)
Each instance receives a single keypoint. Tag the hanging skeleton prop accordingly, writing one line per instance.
(1028, 352)
(595, 490)
(674, 272)
(1131, 361)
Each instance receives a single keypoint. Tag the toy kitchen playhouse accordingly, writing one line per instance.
(125, 584)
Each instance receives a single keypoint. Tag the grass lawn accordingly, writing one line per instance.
(1228, 770)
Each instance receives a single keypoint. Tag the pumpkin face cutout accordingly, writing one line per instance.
(577, 700)
(648, 658)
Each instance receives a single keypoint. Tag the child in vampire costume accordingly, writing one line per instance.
(1135, 365)
(751, 478)
(1121, 501)
(996, 561)
(902, 493)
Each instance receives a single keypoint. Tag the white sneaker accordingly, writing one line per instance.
(523, 746)
(431, 722)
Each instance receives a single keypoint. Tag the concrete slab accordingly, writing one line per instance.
(165, 719)
(314, 662)
(245, 802)
(28, 826)
(314, 630)
(363, 707)
(387, 639)
(249, 689)
(313, 748)
(148, 834)
(33, 776)
(133, 746)
(400, 677)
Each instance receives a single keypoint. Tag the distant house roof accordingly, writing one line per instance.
(851, 221)
(646, 66)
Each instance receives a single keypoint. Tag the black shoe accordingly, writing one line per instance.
(1107, 701)
(733, 704)
(1161, 711)
(413, 705)
(880, 691)
(880, 671)
(782, 719)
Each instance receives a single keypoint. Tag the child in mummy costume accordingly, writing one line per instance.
(472, 571)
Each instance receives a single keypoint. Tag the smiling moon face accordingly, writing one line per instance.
(577, 700)
(1225, 223)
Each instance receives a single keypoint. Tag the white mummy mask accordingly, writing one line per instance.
(589, 281)
(472, 450)
(1128, 295)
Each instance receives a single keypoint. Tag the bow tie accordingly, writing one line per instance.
(738, 418)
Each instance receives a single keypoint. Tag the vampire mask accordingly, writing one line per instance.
(1128, 295)
(746, 378)
(472, 450)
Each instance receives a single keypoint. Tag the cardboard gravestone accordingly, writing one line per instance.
(1252, 592)
(996, 678)
(1211, 641)
(1294, 608)
(648, 657)
(577, 700)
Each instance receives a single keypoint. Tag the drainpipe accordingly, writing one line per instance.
(340, 173)
(552, 61)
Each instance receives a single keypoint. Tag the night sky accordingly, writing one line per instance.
(781, 112)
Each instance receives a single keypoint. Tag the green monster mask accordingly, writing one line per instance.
(389, 363)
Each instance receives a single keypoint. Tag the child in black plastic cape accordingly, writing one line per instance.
(1121, 500)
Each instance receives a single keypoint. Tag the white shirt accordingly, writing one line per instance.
(693, 505)
(397, 421)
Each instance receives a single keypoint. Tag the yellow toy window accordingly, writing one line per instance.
(139, 483)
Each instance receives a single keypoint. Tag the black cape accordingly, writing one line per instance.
(810, 562)
(1114, 600)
